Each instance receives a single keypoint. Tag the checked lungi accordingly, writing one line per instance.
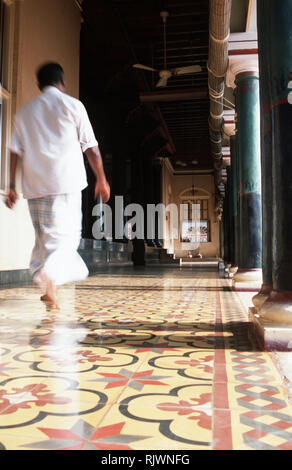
(57, 224)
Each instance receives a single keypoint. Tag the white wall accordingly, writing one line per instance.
(45, 30)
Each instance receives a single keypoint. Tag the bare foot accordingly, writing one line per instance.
(46, 284)
(51, 294)
(44, 298)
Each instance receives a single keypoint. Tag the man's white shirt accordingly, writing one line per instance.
(51, 133)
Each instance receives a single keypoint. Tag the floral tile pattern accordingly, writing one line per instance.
(149, 360)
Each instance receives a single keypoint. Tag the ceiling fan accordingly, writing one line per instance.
(165, 73)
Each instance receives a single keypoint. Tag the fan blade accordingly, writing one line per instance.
(187, 69)
(144, 67)
(162, 83)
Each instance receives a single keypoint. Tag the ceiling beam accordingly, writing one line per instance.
(157, 35)
(187, 40)
(173, 95)
(188, 111)
(183, 48)
(147, 28)
(181, 125)
(180, 62)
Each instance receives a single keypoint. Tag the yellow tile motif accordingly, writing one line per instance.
(155, 359)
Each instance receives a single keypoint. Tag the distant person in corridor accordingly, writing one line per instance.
(50, 135)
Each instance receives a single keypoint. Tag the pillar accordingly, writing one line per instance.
(266, 76)
(221, 239)
(157, 169)
(226, 224)
(149, 193)
(230, 219)
(138, 255)
(119, 154)
(249, 171)
(277, 309)
(234, 207)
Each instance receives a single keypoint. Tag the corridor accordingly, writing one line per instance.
(155, 358)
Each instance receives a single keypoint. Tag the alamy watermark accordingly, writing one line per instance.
(181, 222)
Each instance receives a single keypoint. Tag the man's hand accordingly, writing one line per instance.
(102, 187)
(11, 198)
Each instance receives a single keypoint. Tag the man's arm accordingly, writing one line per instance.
(95, 160)
(12, 195)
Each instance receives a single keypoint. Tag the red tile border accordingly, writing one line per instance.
(222, 435)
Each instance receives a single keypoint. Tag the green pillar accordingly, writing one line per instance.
(281, 63)
(266, 77)
(234, 197)
(249, 170)
(226, 223)
(278, 307)
(230, 215)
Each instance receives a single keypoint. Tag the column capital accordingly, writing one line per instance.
(243, 56)
(248, 65)
(229, 118)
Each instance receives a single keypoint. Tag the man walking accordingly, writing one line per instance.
(50, 135)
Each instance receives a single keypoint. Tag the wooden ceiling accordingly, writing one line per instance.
(120, 33)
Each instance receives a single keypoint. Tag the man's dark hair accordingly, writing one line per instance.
(50, 74)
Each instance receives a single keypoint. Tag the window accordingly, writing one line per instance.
(5, 78)
(2, 22)
(200, 197)
(204, 217)
(204, 208)
(2, 13)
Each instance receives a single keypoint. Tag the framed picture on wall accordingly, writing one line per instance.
(195, 232)
(204, 231)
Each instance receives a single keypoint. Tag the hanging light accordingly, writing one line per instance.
(193, 187)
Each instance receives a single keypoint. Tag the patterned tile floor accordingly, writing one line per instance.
(148, 359)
